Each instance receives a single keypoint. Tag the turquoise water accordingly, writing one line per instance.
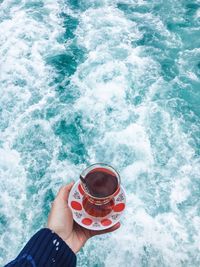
(103, 81)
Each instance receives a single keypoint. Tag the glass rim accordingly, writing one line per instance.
(90, 168)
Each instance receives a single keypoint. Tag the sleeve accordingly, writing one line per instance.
(45, 249)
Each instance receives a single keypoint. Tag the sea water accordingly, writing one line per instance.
(114, 81)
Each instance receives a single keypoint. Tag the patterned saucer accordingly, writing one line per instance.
(88, 221)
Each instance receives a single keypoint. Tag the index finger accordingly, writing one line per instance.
(64, 191)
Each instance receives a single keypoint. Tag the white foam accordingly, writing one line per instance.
(144, 141)
(180, 191)
(25, 42)
(12, 198)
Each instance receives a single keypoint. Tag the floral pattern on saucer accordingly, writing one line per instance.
(88, 221)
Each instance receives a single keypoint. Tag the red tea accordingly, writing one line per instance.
(101, 183)
(98, 210)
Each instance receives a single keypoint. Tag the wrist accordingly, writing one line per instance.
(64, 237)
(70, 244)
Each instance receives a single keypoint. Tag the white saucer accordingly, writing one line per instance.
(88, 221)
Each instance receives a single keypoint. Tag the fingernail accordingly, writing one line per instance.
(118, 224)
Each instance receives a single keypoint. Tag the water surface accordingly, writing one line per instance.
(103, 81)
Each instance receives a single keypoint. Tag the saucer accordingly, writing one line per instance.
(88, 221)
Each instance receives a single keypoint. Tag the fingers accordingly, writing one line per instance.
(64, 191)
(109, 230)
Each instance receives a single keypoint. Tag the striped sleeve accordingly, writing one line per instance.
(45, 249)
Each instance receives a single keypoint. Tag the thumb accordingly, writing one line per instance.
(64, 191)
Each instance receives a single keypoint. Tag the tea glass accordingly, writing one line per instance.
(99, 206)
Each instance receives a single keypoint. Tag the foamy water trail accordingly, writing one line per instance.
(103, 81)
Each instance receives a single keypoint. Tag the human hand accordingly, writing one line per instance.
(61, 221)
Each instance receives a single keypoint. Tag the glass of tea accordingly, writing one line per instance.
(100, 183)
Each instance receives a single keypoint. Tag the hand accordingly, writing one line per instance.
(61, 221)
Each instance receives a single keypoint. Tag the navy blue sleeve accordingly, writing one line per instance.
(45, 249)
